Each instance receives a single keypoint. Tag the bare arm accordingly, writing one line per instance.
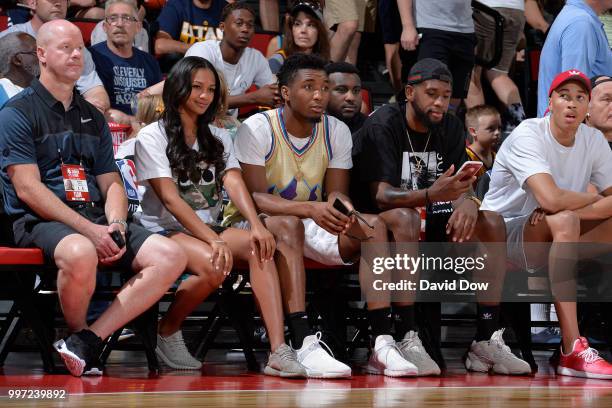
(553, 199)
(156, 89)
(29, 188)
(409, 38)
(255, 179)
(98, 97)
(534, 16)
(115, 200)
(266, 95)
(387, 197)
(165, 44)
(114, 115)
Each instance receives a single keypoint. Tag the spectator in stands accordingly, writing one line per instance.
(184, 22)
(345, 19)
(141, 40)
(93, 9)
(539, 185)
(18, 64)
(513, 12)
(241, 65)
(409, 154)
(296, 160)
(304, 32)
(576, 40)
(124, 70)
(444, 33)
(183, 200)
(483, 123)
(43, 150)
(89, 84)
(391, 27)
(345, 94)
(600, 106)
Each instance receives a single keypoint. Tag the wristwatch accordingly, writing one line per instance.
(120, 222)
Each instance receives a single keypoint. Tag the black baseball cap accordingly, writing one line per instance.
(307, 6)
(429, 68)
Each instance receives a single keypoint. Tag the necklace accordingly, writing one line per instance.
(418, 164)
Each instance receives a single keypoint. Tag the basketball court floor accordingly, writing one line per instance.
(225, 382)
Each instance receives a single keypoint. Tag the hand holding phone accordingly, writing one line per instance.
(118, 238)
(469, 168)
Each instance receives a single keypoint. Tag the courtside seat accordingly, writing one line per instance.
(21, 256)
(86, 25)
(3, 23)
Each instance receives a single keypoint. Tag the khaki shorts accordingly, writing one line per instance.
(514, 22)
(340, 11)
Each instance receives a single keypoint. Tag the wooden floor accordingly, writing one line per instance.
(227, 384)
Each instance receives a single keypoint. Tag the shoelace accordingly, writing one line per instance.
(590, 355)
(498, 340)
(319, 341)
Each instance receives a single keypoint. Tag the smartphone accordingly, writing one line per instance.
(118, 238)
(469, 168)
(339, 205)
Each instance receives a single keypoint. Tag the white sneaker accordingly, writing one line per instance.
(387, 359)
(494, 354)
(173, 352)
(413, 351)
(318, 363)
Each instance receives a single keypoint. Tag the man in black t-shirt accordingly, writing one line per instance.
(345, 94)
(409, 157)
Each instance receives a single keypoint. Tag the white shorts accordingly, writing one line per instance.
(319, 245)
(515, 228)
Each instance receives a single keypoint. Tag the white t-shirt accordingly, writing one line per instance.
(152, 162)
(252, 67)
(9, 87)
(254, 140)
(511, 4)
(532, 149)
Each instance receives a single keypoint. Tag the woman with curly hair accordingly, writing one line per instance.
(305, 32)
(183, 162)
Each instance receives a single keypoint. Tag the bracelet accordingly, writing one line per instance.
(474, 199)
(120, 222)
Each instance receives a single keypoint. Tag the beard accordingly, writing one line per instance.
(423, 117)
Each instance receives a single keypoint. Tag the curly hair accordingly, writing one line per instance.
(183, 159)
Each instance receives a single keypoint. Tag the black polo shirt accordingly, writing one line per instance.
(36, 129)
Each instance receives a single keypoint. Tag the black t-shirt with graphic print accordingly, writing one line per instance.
(386, 154)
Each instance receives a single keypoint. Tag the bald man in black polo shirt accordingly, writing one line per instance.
(64, 194)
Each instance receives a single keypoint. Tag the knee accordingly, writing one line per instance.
(404, 223)
(288, 230)
(380, 228)
(170, 258)
(77, 261)
(491, 227)
(348, 27)
(564, 225)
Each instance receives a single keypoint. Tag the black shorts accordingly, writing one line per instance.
(456, 50)
(31, 231)
(390, 22)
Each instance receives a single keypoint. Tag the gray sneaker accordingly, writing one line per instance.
(283, 363)
(173, 352)
(412, 349)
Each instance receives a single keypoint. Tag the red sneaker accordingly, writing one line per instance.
(584, 361)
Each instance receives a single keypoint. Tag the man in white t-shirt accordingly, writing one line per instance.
(296, 160)
(539, 185)
(240, 65)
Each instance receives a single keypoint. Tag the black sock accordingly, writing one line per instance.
(488, 321)
(298, 328)
(404, 320)
(380, 321)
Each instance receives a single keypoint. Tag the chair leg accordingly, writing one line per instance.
(520, 320)
(145, 326)
(110, 345)
(8, 332)
(235, 308)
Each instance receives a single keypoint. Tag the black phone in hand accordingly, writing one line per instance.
(118, 238)
(339, 205)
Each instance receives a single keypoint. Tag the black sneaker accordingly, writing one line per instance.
(80, 352)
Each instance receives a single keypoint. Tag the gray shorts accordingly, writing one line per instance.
(515, 228)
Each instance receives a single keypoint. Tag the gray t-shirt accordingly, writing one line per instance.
(89, 78)
(446, 15)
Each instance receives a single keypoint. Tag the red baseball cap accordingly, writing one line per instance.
(570, 75)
